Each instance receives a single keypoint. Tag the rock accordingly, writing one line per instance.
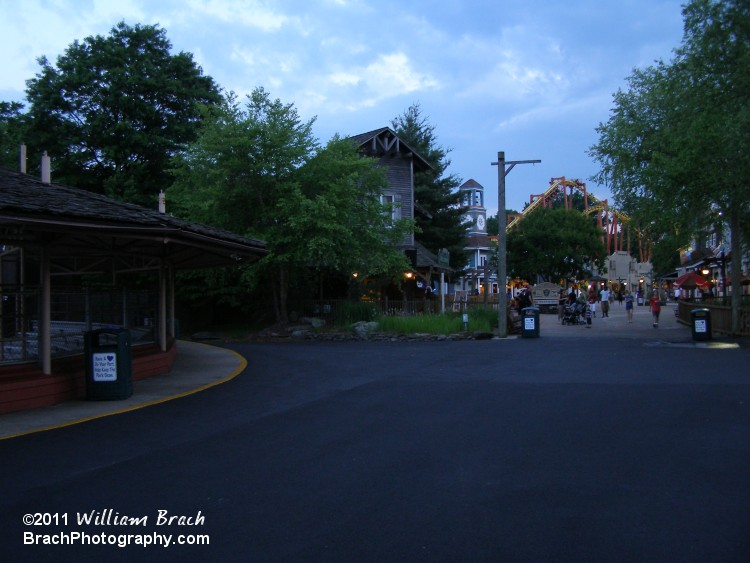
(315, 322)
(363, 328)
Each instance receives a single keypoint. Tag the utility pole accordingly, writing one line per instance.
(502, 251)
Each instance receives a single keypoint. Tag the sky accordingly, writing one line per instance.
(531, 78)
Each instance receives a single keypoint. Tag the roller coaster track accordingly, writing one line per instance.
(613, 224)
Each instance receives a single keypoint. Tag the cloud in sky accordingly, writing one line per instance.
(531, 78)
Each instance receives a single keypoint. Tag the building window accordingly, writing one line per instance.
(391, 203)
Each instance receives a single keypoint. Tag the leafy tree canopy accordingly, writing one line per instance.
(11, 134)
(258, 170)
(675, 150)
(554, 244)
(114, 110)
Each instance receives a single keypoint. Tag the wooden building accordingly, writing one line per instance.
(51, 237)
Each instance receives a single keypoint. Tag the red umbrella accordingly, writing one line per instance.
(691, 280)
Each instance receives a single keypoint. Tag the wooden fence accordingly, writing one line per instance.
(341, 311)
(721, 316)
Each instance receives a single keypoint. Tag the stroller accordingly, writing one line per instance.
(574, 314)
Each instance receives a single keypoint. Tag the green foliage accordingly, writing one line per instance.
(233, 175)
(334, 220)
(480, 319)
(11, 134)
(554, 243)
(434, 192)
(666, 256)
(675, 150)
(114, 110)
(257, 170)
(350, 312)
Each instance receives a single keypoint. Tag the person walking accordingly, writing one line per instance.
(592, 301)
(605, 301)
(655, 306)
(629, 299)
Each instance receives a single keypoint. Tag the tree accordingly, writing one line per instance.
(114, 110)
(259, 171)
(11, 133)
(677, 141)
(440, 223)
(554, 244)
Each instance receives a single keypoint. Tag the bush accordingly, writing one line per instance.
(480, 319)
(350, 312)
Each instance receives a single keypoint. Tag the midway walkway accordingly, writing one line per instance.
(200, 366)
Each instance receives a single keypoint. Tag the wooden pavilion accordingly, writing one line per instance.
(51, 232)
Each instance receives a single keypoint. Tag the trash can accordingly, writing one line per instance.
(109, 371)
(530, 322)
(700, 321)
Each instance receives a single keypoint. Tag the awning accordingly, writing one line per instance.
(692, 280)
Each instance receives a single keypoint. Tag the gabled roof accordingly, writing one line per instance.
(385, 141)
(77, 225)
(426, 259)
(470, 183)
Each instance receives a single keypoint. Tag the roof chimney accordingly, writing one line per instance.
(46, 174)
(162, 202)
(23, 158)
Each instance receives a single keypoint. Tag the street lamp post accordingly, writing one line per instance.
(502, 270)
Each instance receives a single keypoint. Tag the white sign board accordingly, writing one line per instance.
(105, 366)
(528, 323)
(700, 325)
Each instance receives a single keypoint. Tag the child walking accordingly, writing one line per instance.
(655, 306)
(629, 305)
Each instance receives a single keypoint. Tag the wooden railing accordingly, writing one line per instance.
(721, 316)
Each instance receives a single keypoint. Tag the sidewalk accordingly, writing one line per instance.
(616, 325)
(200, 366)
(197, 367)
(670, 332)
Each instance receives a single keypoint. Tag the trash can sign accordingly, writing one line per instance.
(104, 366)
(701, 325)
(530, 317)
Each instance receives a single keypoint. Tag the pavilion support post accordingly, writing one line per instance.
(442, 292)
(125, 322)
(162, 326)
(45, 314)
(172, 320)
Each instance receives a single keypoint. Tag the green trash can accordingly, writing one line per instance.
(530, 322)
(700, 322)
(109, 368)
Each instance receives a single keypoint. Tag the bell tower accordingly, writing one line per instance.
(472, 201)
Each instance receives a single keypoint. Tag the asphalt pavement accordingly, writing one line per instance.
(199, 366)
(619, 442)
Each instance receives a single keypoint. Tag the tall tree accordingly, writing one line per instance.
(677, 138)
(114, 110)
(257, 170)
(439, 222)
(554, 244)
(11, 133)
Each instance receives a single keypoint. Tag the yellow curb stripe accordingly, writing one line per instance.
(235, 373)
